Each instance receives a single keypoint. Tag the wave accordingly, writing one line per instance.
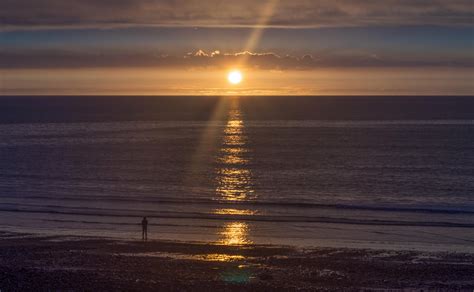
(250, 218)
(220, 203)
(131, 224)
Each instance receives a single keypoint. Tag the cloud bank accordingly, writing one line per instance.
(200, 59)
(222, 13)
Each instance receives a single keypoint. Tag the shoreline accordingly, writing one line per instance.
(336, 236)
(77, 263)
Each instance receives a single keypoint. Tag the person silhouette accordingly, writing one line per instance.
(144, 229)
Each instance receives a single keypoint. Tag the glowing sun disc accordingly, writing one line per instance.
(234, 77)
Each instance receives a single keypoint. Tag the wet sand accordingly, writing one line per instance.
(54, 263)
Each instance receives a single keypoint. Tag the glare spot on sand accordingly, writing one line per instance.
(220, 257)
(212, 257)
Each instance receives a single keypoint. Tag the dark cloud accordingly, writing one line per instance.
(286, 13)
(201, 59)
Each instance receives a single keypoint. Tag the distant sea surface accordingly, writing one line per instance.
(378, 171)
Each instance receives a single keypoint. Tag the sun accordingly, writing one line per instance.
(234, 77)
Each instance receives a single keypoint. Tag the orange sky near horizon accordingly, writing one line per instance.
(148, 81)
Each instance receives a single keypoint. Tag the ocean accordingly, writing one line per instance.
(393, 172)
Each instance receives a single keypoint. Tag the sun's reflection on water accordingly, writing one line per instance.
(235, 233)
(234, 178)
(235, 212)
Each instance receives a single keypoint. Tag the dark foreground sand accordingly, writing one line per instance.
(29, 263)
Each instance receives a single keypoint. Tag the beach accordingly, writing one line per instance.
(59, 263)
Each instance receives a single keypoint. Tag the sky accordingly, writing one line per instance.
(299, 47)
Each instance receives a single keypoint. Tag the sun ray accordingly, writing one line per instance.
(267, 13)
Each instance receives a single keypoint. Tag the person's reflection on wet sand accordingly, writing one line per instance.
(144, 229)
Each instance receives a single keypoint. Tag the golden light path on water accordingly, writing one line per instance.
(234, 179)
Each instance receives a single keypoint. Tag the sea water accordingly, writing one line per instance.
(383, 172)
